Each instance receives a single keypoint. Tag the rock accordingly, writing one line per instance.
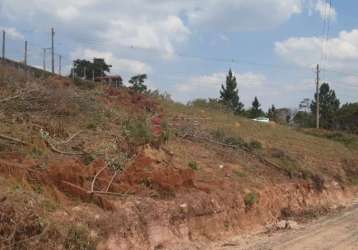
(288, 224)
(292, 225)
(281, 224)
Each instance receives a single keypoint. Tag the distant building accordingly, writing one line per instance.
(115, 80)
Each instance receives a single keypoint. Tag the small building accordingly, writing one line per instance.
(115, 80)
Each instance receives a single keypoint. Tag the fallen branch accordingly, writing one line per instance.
(54, 149)
(10, 98)
(112, 179)
(69, 139)
(94, 192)
(95, 177)
(8, 138)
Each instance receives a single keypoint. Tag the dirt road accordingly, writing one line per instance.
(335, 232)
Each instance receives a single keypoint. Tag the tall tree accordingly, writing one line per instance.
(87, 69)
(305, 105)
(329, 105)
(272, 113)
(255, 110)
(229, 94)
(137, 83)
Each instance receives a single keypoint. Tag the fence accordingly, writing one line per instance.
(18, 52)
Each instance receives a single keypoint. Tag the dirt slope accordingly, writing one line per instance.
(86, 166)
(338, 232)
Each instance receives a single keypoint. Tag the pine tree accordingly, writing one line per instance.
(229, 94)
(255, 110)
(329, 105)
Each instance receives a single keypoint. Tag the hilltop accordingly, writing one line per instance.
(86, 166)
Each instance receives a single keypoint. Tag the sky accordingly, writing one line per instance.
(187, 47)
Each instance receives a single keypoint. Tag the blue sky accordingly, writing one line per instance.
(186, 47)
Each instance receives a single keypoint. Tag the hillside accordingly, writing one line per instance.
(86, 166)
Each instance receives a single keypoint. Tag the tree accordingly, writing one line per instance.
(347, 118)
(329, 105)
(137, 83)
(229, 94)
(87, 69)
(272, 113)
(303, 119)
(255, 110)
(305, 105)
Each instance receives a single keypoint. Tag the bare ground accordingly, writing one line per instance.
(335, 232)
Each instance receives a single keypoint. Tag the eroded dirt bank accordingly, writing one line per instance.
(202, 217)
(338, 231)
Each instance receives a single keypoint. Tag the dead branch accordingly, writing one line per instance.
(95, 177)
(69, 139)
(11, 98)
(94, 192)
(54, 149)
(8, 138)
(16, 96)
(112, 179)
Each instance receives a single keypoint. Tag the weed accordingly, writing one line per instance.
(193, 165)
(137, 132)
(255, 145)
(239, 173)
(91, 126)
(87, 159)
(78, 239)
(250, 199)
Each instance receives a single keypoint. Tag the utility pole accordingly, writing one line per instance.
(59, 64)
(44, 59)
(92, 75)
(25, 55)
(3, 45)
(52, 50)
(317, 97)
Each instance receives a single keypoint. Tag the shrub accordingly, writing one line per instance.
(137, 132)
(193, 165)
(250, 199)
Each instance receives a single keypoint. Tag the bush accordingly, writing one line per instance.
(250, 199)
(193, 165)
(137, 132)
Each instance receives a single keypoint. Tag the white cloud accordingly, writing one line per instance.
(68, 13)
(341, 52)
(242, 15)
(12, 33)
(215, 80)
(119, 65)
(325, 10)
(143, 33)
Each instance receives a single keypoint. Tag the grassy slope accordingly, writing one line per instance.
(111, 122)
